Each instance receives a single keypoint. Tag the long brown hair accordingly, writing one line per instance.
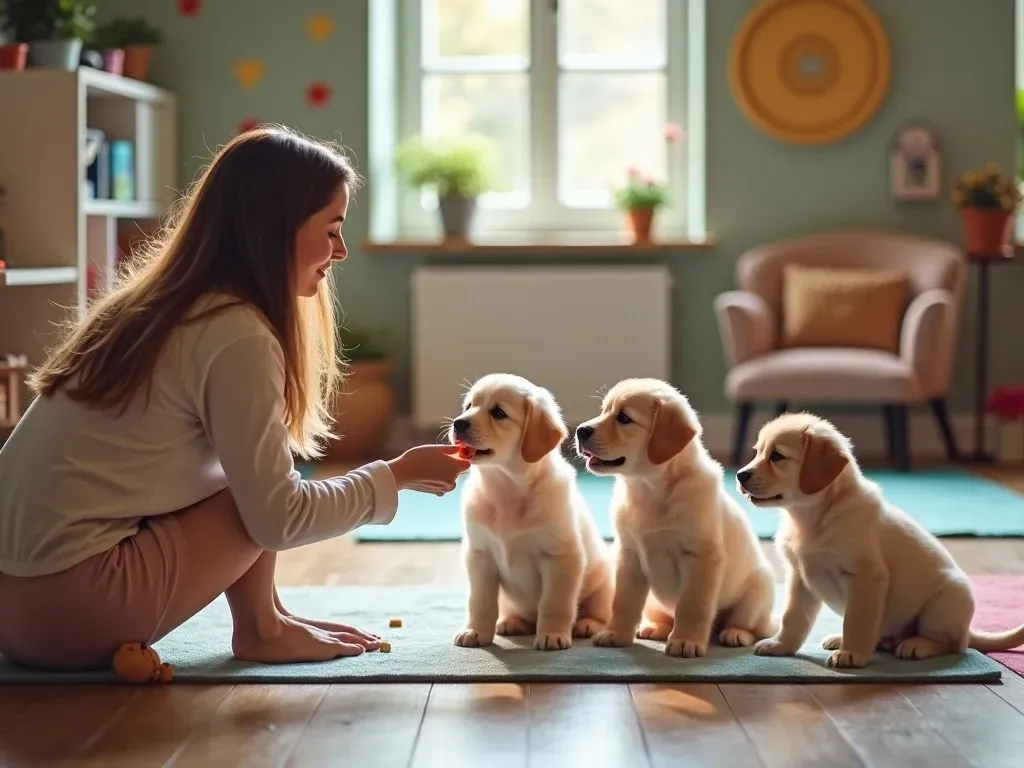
(232, 233)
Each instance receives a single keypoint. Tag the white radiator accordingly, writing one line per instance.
(573, 330)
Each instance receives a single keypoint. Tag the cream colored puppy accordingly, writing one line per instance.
(896, 587)
(535, 560)
(688, 560)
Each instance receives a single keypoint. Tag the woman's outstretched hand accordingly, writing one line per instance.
(428, 468)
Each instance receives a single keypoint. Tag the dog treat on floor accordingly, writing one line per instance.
(385, 646)
(395, 623)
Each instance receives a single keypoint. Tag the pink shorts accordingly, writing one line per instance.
(77, 618)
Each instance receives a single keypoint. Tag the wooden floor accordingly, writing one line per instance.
(726, 726)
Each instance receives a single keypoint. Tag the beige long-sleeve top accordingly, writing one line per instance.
(74, 480)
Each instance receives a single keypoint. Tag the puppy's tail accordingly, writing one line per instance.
(996, 641)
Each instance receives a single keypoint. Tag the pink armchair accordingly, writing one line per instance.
(760, 370)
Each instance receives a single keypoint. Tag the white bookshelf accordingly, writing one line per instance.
(54, 230)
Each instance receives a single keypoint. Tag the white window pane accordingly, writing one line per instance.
(608, 124)
(494, 105)
(610, 33)
(475, 28)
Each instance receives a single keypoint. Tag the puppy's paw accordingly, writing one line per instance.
(847, 660)
(831, 642)
(470, 638)
(513, 625)
(606, 638)
(736, 638)
(687, 649)
(771, 646)
(586, 628)
(917, 648)
(552, 642)
(659, 632)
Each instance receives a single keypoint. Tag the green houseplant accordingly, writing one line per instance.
(133, 35)
(53, 29)
(459, 169)
(364, 407)
(640, 197)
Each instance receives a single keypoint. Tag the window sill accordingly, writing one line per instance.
(581, 245)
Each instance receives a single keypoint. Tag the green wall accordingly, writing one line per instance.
(964, 89)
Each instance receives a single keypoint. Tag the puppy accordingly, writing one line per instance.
(896, 587)
(535, 560)
(688, 560)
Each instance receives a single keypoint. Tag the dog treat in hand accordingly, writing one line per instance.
(395, 623)
(385, 646)
(466, 452)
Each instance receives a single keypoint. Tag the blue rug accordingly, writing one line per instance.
(948, 502)
(423, 651)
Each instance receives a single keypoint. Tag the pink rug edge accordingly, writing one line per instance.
(999, 605)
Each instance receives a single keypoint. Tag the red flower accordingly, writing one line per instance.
(1007, 403)
(318, 94)
(189, 7)
(248, 124)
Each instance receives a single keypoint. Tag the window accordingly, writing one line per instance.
(572, 94)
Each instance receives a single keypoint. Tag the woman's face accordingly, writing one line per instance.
(319, 242)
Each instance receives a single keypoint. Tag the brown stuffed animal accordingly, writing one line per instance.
(139, 663)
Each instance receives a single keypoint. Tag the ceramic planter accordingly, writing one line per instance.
(136, 61)
(113, 61)
(55, 54)
(457, 216)
(13, 56)
(364, 411)
(986, 230)
(640, 221)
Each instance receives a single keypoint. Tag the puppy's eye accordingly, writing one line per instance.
(775, 456)
(623, 418)
(497, 414)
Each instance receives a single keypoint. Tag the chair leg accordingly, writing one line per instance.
(941, 412)
(890, 433)
(781, 408)
(900, 437)
(739, 440)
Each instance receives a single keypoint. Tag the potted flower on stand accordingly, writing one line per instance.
(987, 203)
(459, 169)
(127, 46)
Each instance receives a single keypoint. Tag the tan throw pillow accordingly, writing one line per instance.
(826, 307)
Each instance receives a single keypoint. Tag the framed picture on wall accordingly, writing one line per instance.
(915, 165)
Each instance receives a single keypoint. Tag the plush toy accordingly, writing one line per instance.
(139, 663)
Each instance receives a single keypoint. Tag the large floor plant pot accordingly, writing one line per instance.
(457, 216)
(364, 412)
(55, 54)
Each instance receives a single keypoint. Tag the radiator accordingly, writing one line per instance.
(573, 330)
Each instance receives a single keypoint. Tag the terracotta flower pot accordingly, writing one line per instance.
(364, 412)
(640, 220)
(986, 231)
(136, 61)
(13, 56)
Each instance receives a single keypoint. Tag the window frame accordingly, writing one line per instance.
(398, 210)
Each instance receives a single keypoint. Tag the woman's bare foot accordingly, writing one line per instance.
(344, 632)
(288, 640)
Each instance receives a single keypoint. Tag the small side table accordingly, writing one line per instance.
(983, 260)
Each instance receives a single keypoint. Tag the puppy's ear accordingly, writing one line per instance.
(670, 434)
(821, 464)
(541, 434)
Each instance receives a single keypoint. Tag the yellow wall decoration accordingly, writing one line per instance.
(810, 71)
(319, 28)
(249, 72)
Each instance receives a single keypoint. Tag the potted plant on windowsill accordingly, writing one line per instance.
(136, 37)
(364, 407)
(987, 203)
(640, 198)
(459, 169)
(53, 29)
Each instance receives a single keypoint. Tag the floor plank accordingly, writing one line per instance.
(788, 728)
(370, 726)
(583, 724)
(692, 720)
(885, 729)
(473, 725)
(1010, 689)
(980, 724)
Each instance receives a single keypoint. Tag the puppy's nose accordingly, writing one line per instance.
(461, 426)
(583, 433)
(743, 475)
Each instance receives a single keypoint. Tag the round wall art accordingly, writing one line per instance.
(810, 71)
